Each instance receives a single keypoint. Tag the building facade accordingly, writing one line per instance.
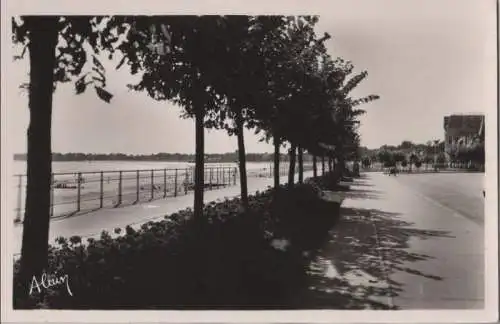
(461, 131)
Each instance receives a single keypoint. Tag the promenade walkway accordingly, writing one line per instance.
(396, 248)
(92, 224)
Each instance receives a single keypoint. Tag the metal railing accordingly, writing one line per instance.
(83, 192)
(79, 192)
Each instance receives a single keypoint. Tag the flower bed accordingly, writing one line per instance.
(332, 182)
(231, 260)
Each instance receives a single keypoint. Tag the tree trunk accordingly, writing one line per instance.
(199, 181)
(276, 162)
(323, 164)
(341, 166)
(34, 251)
(301, 164)
(315, 167)
(242, 159)
(291, 170)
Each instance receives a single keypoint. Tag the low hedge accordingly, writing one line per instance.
(225, 261)
(330, 182)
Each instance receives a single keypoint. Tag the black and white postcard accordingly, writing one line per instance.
(232, 161)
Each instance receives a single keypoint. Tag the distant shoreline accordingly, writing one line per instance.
(168, 161)
(162, 157)
(173, 161)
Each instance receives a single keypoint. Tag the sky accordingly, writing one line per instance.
(425, 59)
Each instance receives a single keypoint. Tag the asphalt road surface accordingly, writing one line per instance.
(461, 192)
(429, 233)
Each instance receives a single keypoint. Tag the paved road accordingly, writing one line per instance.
(461, 192)
(411, 242)
(453, 205)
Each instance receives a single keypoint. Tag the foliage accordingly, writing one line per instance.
(389, 163)
(406, 145)
(384, 156)
(366, 162)
(425, 150)
(441, 158)
(329, 181)
(399, 157)
(413, 158)
(473, 152)
(271, 73)
(82, 40)
(59, 48)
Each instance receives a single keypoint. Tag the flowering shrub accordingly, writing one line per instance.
(329, 181)
(229, 259)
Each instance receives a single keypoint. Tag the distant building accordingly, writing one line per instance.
(460, 131)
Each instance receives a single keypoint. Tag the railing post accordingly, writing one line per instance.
(52, 195)
(120, 188)
(217, 172)
(137, 175)
(101, 191)
(164, 183)
(223, 177)
(175, 183)
(78, 197)
(152, 184)
(235, 172)
(186, 182)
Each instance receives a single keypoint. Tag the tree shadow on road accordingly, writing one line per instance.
(352, 270)
(364, 184)
(362, 194)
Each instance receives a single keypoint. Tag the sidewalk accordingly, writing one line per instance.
(92, 224)
(395, 249)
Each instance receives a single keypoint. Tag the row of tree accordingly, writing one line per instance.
(393, 158)
(271, 74)
(412, 154)
(406, 147)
